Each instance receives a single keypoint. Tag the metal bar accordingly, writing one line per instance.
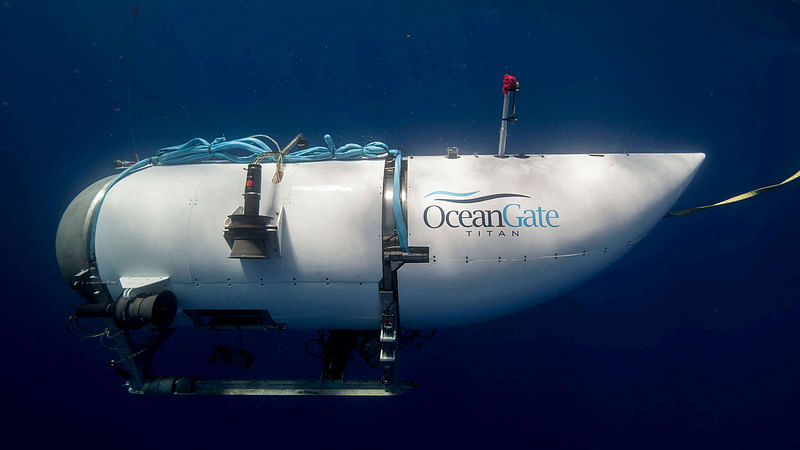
(501, 149)
(191, 386)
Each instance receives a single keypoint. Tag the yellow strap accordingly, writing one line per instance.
(737, 198)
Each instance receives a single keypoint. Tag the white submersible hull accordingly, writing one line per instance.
(488, 236)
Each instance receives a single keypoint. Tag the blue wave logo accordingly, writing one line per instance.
(512, 216)
(467, 194)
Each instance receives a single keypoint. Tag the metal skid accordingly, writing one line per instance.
(134, 359)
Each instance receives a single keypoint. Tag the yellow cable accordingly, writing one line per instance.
(267, 137)
(737, 198)
(264, 155)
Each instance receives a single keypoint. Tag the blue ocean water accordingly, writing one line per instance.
(689, 341)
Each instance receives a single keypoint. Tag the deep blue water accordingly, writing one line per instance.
(690, 341)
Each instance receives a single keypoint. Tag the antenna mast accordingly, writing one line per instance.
(510, 86)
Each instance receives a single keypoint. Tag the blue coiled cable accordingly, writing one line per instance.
(250, 149)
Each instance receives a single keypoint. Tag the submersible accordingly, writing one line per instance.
(355, 239)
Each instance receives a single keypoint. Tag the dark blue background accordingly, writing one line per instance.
(690, 341)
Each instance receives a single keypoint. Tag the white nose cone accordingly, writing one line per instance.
(506, 234)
